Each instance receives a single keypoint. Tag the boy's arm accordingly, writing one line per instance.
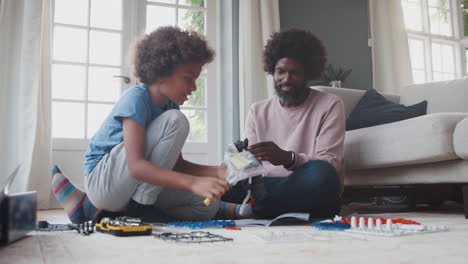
(140, 168)
(186, 166)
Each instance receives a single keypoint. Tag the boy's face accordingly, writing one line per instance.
(289, 78)
(179, 85)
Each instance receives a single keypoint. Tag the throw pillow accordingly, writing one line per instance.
(374, 109)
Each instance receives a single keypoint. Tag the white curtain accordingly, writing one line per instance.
(25, 36)
(390, 52)
(258, 19)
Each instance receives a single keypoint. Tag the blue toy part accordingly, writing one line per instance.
(204, 224)
(336, 226)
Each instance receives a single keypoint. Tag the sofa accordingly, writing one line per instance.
(429, 149)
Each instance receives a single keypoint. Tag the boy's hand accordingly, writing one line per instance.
(209, 187)
(269, 151)
(222, 171)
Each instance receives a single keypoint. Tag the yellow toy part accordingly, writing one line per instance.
(124, 226)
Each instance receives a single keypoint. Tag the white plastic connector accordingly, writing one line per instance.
(353, 222)
(378, 224)
(362, 223)
(370, 223)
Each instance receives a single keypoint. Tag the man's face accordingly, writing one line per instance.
(289, 79)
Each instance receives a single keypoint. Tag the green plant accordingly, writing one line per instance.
(336, 73)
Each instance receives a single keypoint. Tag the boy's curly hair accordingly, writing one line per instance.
(297, 44)
(159, 53)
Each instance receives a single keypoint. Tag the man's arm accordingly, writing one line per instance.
(250, 127)
(267, 151)
(329, 143)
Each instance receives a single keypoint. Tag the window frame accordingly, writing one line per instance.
(80, 144)
(457, 40)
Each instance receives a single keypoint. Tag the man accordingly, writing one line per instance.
(298, 134)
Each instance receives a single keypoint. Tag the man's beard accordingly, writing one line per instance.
(291, 97)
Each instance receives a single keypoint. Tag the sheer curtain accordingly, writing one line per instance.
(25, 40)
(258, 19)
(390, 51)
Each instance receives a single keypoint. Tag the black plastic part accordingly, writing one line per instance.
(241, 145)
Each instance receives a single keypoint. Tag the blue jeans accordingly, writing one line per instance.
(313, 187)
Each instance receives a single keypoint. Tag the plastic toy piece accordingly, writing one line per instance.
(241, 145)
(204, 224)
(353, 222)
(240, 162)
(207, 202)
(44, 226)
(370, 223)
(390, 230)
(232, 228)
(124, 226)
(378, 224)
(193, 237)
(383, 220)
(325, 225)
(84, 228)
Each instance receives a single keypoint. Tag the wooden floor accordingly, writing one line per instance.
(284, 244)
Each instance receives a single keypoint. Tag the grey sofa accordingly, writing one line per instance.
(424, 150)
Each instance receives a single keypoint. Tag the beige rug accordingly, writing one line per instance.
(285, 244)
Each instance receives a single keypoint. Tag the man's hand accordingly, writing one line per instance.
(269, 151)
(209, 187)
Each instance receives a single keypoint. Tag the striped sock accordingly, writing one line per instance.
(234, 211)
(74, 201)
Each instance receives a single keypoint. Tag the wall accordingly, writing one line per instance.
(343, 27)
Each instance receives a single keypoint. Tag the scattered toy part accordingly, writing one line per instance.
(334, 225)
(84, 228)
(204, 224)
(384, 221)
(366, 226)
(193, 237)
(124, 226)
(232, 228)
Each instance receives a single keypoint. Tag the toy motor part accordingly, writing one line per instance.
(124, 226)
(241, 145)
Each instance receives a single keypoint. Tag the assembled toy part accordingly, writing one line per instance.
(124, 226)
(391, 229)
(193, 237)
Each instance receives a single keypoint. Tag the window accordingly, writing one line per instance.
(465, 17)
(87, 53)
(466, 53)
(91, 39)
(465, 31)
(435, 36)
(187, 14)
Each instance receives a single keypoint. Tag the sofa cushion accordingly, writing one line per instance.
(460, 139)
(351, 97)
(442, 96)
(374, 109)
(413, 141)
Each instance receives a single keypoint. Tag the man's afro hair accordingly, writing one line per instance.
(297, 44)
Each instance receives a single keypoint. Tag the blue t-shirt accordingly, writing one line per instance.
(135, 103)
